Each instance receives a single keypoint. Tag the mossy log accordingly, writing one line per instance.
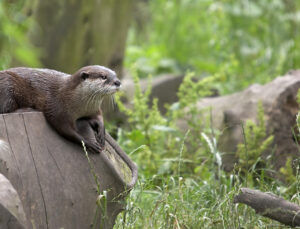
(54, 180)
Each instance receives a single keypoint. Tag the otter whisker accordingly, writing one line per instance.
(97, 102)
(112, 102)
(89, 101)
(92, 102)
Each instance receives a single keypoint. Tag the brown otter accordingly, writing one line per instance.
(63, 98)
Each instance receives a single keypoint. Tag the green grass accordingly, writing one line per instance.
(181, 202)
(188, 201)
(181, 183)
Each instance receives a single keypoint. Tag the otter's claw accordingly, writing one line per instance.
(94, 147)
(99, 129)
(100, 137)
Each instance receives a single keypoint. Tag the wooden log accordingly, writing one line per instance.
(270, 205)
(53, 176)
(12, 214)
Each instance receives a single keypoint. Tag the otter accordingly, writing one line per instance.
(64, 99)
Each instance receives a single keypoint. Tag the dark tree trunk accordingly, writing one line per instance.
(74, 33)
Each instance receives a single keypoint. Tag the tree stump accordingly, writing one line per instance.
(54, 179)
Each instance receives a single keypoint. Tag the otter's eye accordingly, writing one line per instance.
(104, 77)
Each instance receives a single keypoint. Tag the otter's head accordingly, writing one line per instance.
(97, 81)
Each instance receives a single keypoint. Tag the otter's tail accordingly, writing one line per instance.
(3, 145)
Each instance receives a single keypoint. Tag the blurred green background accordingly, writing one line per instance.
(247, 41)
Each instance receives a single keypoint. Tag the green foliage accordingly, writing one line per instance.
(140, 117)
(256, 142)
(181, 202)
(182, 183)
(259, 39)
(298, 115)
(14, 44)
(287, 171)
(147, 127)
(192, 89)
(160, 135)
(176, 37)
(178, 203)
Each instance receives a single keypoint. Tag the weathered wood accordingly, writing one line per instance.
(11, 211)
(53, 176)
(270, 205)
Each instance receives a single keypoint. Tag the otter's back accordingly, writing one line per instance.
(28, 87)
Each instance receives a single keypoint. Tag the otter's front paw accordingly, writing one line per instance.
(94, 147)
(99, 130)
(101, 138)
(96, 125)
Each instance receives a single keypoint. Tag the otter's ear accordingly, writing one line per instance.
(84, 75)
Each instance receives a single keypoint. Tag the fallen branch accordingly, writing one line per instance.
(270, 205)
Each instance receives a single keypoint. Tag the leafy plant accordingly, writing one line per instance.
(181, 182)
(256, 142)
(259, 38)
(147, 127)
(14, 43)
(237, 43)
(160, 134)
(287, 171)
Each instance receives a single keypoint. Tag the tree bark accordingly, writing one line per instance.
(74, 33)
(56, 183)
(270, 205)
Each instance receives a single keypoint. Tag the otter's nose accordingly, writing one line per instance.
(117, 83)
